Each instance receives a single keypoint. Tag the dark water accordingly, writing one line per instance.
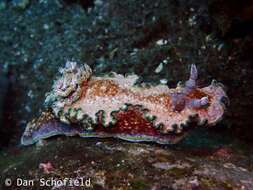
(38, 37)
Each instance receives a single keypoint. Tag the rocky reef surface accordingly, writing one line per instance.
(115, 164)
(155, 40)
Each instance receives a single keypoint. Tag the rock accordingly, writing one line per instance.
(168, 166)
(2, 5)
(20, 4)
(117, 166)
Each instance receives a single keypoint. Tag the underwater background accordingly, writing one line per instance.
(158, 41)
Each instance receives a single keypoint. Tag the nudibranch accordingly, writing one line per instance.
(115, 106)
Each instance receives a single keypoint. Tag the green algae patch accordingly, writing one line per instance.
(179, 172)
(140, 184)
(18, 159)
(210, 183)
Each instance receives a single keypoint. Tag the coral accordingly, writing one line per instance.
(113, 105)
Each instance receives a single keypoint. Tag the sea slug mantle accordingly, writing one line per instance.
(113, 106)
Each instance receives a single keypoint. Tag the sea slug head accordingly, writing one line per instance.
(208, 103)
(68, 87)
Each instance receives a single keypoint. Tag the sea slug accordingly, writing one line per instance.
(114, 106)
